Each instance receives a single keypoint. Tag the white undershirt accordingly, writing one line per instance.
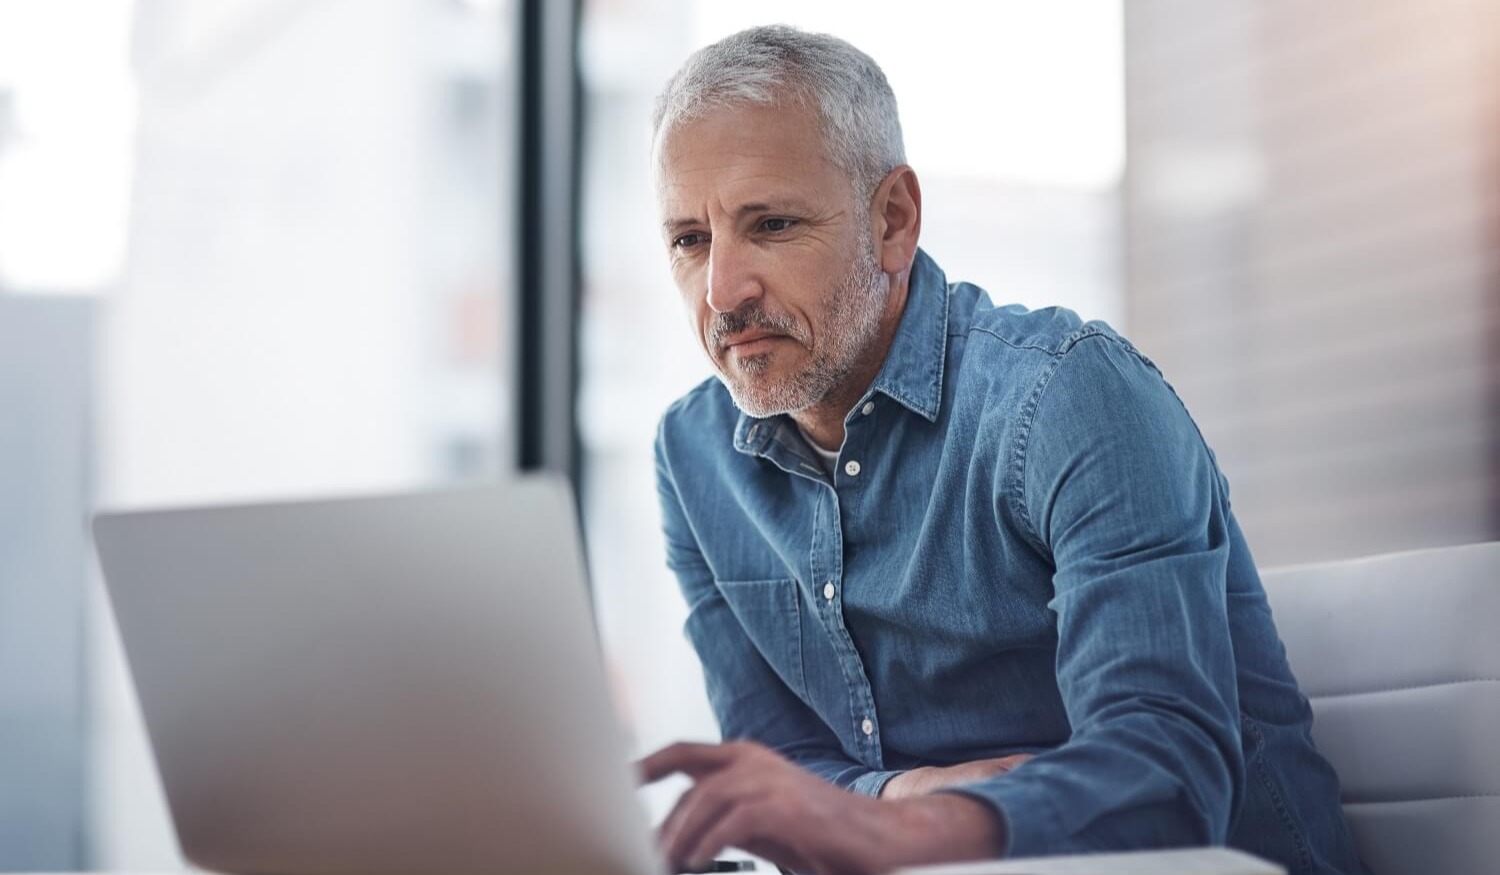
(830, 457)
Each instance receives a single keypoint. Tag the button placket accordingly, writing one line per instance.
(827, 567)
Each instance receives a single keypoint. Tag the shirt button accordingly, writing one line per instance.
(867, 727)
(851, 468)
(828, 590)
(868, 408)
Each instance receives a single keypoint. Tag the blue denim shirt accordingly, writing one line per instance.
(1025, 546)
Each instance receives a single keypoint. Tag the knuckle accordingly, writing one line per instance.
(749, 745)
(713, 788)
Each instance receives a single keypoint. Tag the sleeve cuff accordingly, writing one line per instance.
(871, 783)
(1031, 825)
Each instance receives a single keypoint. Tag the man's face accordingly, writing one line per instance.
(772, 251)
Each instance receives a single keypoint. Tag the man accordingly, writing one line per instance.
(964, 580)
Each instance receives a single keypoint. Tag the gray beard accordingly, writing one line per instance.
(851, 323)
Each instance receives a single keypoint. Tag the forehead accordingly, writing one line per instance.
(743, 153)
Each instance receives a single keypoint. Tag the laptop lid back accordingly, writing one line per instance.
(391, 684)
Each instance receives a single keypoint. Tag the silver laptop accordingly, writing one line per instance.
(395, 684)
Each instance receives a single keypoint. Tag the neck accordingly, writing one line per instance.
(824, 422)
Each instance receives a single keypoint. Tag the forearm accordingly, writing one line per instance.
(1142, 781)
(942, 828)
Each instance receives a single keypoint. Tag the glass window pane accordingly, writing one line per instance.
(295, 220)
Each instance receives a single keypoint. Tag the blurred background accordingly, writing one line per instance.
(271, 248)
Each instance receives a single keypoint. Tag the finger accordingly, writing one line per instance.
(737, 828)
(668, 828)
(690, 758)
(712, 800)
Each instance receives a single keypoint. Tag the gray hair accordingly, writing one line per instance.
(765, 66)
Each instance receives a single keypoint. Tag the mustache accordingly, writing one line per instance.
(746, 318)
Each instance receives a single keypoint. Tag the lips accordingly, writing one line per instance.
(748, 338)
(753, 342)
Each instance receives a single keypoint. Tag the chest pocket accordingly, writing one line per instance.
(770, 611)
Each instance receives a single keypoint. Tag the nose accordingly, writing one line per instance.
(732, 278)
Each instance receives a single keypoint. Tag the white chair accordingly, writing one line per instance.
(1400, 655)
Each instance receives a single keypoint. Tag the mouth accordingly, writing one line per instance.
(753, 342)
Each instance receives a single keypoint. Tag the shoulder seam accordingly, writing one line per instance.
(1061, 348)
(1017, 468)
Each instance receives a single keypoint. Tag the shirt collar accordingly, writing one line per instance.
(912, 374)
(913, 371)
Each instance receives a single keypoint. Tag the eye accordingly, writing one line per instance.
(776, 225)
(687, 241)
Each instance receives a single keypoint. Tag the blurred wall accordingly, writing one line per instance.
(1313, 257)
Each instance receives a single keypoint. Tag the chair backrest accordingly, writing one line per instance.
(1400, 655)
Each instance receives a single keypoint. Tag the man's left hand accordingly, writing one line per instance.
(746, 796)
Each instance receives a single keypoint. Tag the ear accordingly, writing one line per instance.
(896, 213)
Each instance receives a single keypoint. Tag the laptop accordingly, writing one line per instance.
(392, 684)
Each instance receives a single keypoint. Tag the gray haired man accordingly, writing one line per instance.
(964, 579)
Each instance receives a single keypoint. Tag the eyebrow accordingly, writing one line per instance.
(789, 205)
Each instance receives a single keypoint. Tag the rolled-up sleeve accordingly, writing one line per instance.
(1112, 480)
(749, 700)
